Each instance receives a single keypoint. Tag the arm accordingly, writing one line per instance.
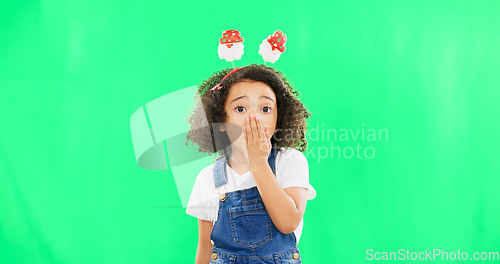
(285, 207)
(204, 245)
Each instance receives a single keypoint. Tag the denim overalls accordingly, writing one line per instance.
(244, 232)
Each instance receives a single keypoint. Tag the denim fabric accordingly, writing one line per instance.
(244, 231)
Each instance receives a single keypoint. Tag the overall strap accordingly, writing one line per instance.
(220, 175)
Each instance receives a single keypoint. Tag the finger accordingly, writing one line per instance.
(252, 128)
(248, 129)
(244, 134)
(258, 122)
(266, 135)
(255, 132)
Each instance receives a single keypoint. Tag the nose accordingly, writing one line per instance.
(255, 113)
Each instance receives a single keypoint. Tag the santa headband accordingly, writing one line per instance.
(231, 48)
(219, 86)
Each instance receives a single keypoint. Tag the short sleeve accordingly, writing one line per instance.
(198, 205)
(293, 171)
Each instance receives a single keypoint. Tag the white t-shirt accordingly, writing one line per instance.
(292, 170)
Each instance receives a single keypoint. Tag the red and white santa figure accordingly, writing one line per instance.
(272, 47)
(231, 45)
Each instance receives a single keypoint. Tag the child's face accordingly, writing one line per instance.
(247, 97)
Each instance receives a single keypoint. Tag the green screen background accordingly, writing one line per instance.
(73, 72)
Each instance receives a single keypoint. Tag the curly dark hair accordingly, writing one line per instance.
(209, 110)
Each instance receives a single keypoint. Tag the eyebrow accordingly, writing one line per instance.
(246, 97)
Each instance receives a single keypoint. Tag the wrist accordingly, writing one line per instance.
(258, 163)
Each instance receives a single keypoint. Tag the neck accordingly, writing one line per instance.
(238, 159)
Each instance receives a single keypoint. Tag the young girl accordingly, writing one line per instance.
(251, 201)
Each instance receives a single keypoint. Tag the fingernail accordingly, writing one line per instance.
(257, 118)
(251, 115)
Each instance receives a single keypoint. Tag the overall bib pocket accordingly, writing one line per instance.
(250, 225)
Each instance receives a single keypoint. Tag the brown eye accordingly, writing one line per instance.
(240, 109)
(266, 109)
